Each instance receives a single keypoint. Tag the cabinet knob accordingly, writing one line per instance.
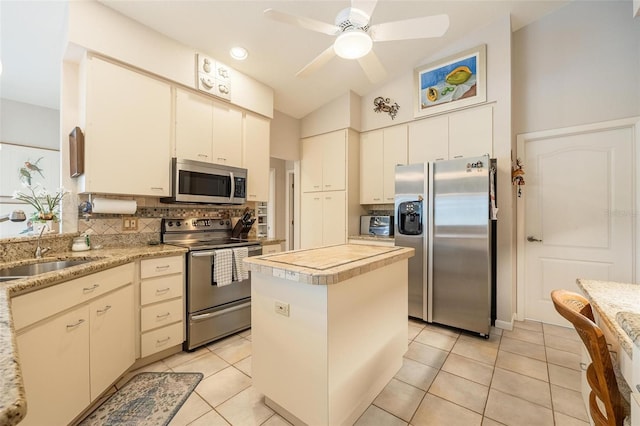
(203, 155)
(157, 188)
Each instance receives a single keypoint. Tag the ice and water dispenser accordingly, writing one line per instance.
(410, 218)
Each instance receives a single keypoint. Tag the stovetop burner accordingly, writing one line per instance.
(201, 233)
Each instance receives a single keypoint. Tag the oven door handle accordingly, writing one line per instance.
(203, 253)
(218, 313)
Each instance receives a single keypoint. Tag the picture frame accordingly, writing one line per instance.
(451, 83)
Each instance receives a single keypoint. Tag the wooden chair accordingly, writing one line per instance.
(600, 373)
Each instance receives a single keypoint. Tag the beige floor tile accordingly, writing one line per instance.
(526, 335)
(193, 408)
(513, 411)
(556, 330)
(206, 364)
(568, 345)
(495, 330)
(460, 391)
(447, 331)
(564, 420)
(276, 420)
(524, 387)
(221, 386)
(523, 365)
(234, 351)
(435, 339)
(427, 355)
(569, 402)
(223, 342)
(246, 334)
(414, 330)
(184, 356)
(475, 371)
(375, 416)
(564, 358)
(528, 325)
(399, 399)
(478, 351)
(244, 366)
(212, 418)
(434, 411)
(565, 377)
(245, 408)
(416, 374)
(493, 340)
(523, 348)
(488, 422)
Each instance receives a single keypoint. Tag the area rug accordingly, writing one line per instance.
(148, 399)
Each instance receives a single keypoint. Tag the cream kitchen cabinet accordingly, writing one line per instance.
(256, 157)
(207, 130)
(79, 333)
(466, 133)
(127, 131)
(380, 152)
(323, 163)
(324, 222)
(271, 248)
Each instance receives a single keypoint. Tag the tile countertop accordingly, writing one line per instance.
(12, 398)
(372, 238)
(619, 306)
(327, 265)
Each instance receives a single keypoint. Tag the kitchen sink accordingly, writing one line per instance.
(24, 271)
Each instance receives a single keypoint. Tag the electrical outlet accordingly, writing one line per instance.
(126, 224)
(134, 224)
(282, 308)
(129, 223)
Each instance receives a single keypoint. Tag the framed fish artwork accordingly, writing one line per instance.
(454, 82)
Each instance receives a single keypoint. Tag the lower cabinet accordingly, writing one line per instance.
(271, 248)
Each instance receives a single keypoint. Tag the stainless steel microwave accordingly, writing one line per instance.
(199, 182)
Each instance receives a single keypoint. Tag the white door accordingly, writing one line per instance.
(578, 214)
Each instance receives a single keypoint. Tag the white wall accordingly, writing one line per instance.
(285, 137)
(576, 66)
(280, 207)
(31, 125)
(341, 113)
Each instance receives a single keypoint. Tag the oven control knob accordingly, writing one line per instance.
(228, 222)
(170, 223)
(222, 222)
(178, 223)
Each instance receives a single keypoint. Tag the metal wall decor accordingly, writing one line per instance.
(384, 105)
(517, 175)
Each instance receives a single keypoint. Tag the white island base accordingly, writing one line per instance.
(325, 360)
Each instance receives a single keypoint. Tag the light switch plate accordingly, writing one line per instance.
(282, 308)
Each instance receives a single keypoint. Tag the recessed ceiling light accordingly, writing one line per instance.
(239, 53)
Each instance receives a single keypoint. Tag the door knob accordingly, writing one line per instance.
(533, 239)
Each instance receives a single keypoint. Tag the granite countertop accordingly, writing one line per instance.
(266, 241)
(12, 397)
(618, 304)
(327, 265)
(372, 238)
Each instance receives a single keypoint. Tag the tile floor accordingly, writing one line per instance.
(528, 376)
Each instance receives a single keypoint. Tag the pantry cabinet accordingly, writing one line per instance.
(325, 214)
(380, 152)
(466, 133)
(323, 162)
(128, 128)
(256, 157)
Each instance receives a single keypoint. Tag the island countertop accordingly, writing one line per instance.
(327, 265)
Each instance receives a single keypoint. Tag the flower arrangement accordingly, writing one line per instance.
(47, 204)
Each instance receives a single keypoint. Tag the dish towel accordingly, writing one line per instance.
(223, 267)
(239, 271)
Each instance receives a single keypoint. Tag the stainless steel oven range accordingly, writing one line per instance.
(213, 311)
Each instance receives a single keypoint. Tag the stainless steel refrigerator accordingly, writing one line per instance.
(452, 275)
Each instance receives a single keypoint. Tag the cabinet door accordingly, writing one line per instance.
(128, 132)
(334, 161)
(54, 359)
(394, 153)
(112, 343)
(471, 133)
(256, 157)
(334, 224)
(311, 164)
(429, 140)
(194, 126)
(371, 160)
(227, 135)
(311, 220)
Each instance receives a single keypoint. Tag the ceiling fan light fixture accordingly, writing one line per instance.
(353, 44)
(239, 53)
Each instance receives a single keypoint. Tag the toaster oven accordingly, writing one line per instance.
(381, 226)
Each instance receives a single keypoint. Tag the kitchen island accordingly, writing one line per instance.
(329, 329)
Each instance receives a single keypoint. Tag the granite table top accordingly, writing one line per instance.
(12, 396)
(327, 265)
(618, 304)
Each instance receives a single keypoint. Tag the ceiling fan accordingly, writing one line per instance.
(355, 37)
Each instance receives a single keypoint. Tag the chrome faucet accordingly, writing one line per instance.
(39, 250)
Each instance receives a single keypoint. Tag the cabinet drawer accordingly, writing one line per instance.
(32, 307)
(161, 339)
(161, 266)
(162, 288)
(271, 248)
(159, 315)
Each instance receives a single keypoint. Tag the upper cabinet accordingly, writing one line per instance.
(466, 133)
(323, 163)
(380, 152)
(256, 157)
(207, 130)
(127, 131)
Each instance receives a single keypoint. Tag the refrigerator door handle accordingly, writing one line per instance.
(429, 244)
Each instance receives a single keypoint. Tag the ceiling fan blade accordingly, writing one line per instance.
(317, 63)
(372, 67)
(367, 6)
(307, 23)
(424, 27)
